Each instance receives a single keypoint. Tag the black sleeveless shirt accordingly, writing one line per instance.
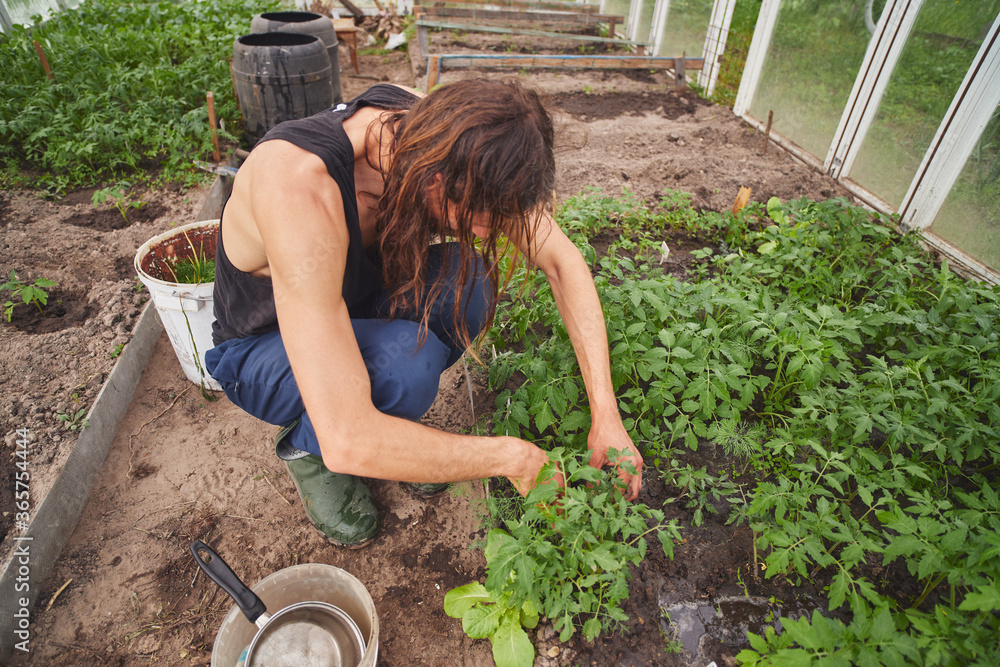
(243, 303)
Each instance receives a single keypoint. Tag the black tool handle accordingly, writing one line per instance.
(218, 571)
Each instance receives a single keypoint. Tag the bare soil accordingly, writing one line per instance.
(182, 467)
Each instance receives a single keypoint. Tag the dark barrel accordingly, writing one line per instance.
(307, 23)
(280, 76)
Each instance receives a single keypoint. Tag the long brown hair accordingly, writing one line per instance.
(492, 143)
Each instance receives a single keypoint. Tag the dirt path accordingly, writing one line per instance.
(181, 467)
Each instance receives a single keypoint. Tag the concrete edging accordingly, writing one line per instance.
(37, 549)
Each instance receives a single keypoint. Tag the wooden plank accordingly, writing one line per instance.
(433, 73)
(587, 18)
(556, 61)
(472, 27)
(552, 4)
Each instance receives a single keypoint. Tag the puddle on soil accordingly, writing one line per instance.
(728, 619)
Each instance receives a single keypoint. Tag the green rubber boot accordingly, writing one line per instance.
(428, 490)
(339, 506)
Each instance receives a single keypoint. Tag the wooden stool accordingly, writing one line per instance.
(349, 35)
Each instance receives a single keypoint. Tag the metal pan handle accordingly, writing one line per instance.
(218, 571)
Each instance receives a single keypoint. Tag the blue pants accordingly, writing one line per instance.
(255, 373)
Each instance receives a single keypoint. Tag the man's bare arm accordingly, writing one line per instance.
(580, 308)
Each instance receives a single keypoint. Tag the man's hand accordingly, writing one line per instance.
(614, 436)
(531, 465)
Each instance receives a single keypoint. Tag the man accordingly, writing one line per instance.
(338, 307)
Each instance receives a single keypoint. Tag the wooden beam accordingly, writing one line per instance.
(551, 4)
(557, 61)
(587, 18)
(433, 72)
(471, 27)
(353, 9)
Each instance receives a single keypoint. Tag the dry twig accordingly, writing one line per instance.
(56, 594)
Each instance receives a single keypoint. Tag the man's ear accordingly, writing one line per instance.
(435, 195)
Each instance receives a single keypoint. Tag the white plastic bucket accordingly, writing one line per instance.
(185, 310)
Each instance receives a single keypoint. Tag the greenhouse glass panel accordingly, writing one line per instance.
(618, 8)
(814, 56)
(970, 217)
(645, 21)
(941, 47)
(685, 29)
(622, 7)
(22, 11)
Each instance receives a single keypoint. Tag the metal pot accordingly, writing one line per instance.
(304, 634)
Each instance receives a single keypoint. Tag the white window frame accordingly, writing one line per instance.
(881, 57)
(756, 56)
(661, 10)
(634, 14)
(970, 111)
(6, 23)
(715, 44)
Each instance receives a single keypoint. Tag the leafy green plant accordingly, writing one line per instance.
(851, 378)
(486, 614)
(34, 293)
(740, 440)
(96, 122)
(74, 421)
(671, 644)
(119, 196)
(698, 488)
(192, 270)
(566, 558)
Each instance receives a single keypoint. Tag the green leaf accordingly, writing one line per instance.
(574, 421)
(483, 620)
(757, 642)
(666, 542)
(634, 329)
(604, 559)
(773, 207)
(802, 633)
(883, 628)
(838, 590)
(518, 413)
(511, 645)
(494, 540)
(984, 598)
(459, 600)
(544, 418)
(591, 629)
(529, 614)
